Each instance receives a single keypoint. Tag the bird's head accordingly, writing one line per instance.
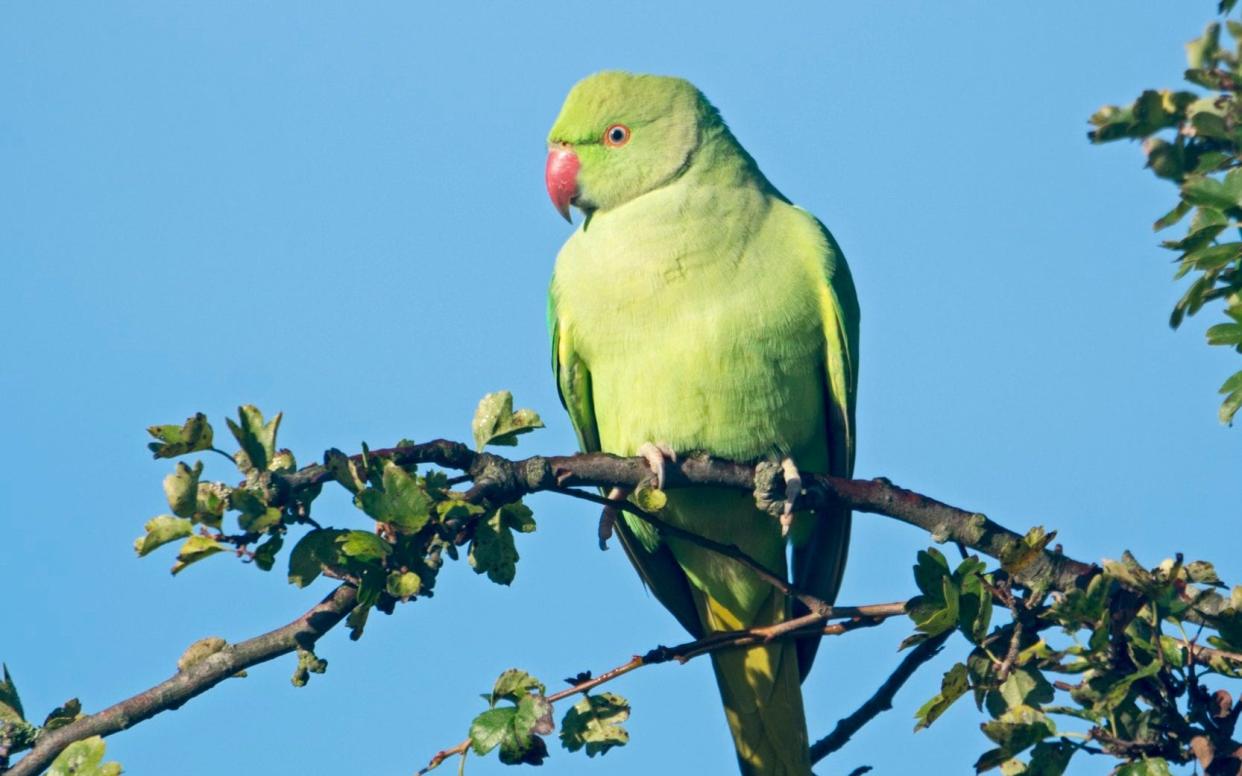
(620, 135)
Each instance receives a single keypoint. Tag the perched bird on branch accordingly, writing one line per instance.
(696, 309)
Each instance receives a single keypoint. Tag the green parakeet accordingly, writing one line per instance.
(697, 309)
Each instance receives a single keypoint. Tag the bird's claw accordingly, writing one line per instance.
(657, 454)
(793, 489)
(608, 517)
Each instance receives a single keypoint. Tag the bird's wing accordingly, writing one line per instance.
(820, 561)
(652, 558)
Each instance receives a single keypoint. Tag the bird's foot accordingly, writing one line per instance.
(608, 518)
(793, 489)
(657, 454)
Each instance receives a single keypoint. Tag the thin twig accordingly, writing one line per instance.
(881, 701)
(814, 603)
(856, 617)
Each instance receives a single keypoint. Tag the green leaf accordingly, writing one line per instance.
(975, 601)
(63, 715)
(492, 550)
(84, 758)
(313, 552)
(929, 569)
(190, 437)
(514, 685)
(357, 621)
(403, 585)
(363, 546)
(265, 553)
(518, 517)
(1225, 333)
(1026, 687)
(1155, 767)
(1119, 691)
(256, 516)
(1201, 52)
(1050, 758)
(160, 531)
(1196, 238)
(403, 501)
(595, 723)
(345, 470)
(1213, 256)
(371, 581)
(1165, 159)
(1129, 572)
(953, 685)
(1078, 607)
(10, 702)
(195, 549)
(519, 750)
(455, 509)
(1232, 387)
(1170, 218)
(495, 422)
(534, 715)
(1212, 193)
(256, 438)
(523, 750)
(934, 615)
(490, 728)
(1210, 125)
(1212, 161)
(181, 489)
(1017, 730)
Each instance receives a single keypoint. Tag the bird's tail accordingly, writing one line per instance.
(762, 694)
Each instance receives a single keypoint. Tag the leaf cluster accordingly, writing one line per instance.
(1193, 138)
(417, 519)
(1107, 668)
(519, 715)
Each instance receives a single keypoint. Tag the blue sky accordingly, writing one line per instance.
(339, 212)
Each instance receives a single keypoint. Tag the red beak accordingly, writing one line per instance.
(561, 177)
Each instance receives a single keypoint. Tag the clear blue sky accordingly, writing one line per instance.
(338, 211)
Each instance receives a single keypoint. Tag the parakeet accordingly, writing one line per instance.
(696, 309)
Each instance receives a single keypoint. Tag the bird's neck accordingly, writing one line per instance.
(720, 161)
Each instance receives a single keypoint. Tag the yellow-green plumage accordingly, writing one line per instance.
(697, 307)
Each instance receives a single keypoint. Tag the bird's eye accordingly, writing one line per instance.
(617, 135)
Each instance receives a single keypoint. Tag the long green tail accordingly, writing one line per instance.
(762, 695)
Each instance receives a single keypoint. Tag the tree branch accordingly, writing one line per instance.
(501, 480)
(191, 682)
(881, 701)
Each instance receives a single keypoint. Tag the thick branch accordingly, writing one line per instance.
(195, 680)
(502, 480)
